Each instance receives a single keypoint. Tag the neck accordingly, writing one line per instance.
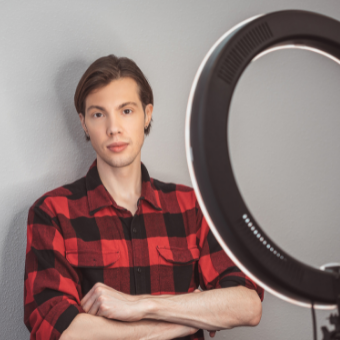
(124, 184)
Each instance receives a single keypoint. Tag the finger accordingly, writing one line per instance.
(89, 293)
(94, 308)
(88, 302)
(212, 334)
(197, 291)
(85, 298)
(91, 297)
(98, 285)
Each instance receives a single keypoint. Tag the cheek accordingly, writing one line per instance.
(97, 136)
(137, 130)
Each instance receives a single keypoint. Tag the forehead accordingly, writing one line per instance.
(116, 92)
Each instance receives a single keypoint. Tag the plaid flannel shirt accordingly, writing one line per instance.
(77, 235)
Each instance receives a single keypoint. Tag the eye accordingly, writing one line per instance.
(127, 111)
(97, 115)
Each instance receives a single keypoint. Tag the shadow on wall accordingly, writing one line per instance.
(65, 85)
(12, 278)
(12, 258)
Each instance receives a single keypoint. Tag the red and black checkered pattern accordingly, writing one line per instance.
(77, 235)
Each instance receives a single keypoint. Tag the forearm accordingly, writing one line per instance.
(89, 327)
(211, 310)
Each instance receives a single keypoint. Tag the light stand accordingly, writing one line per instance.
(334, 319)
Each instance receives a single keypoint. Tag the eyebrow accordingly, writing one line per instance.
(95, 107)
(119, 107)
(127, 103)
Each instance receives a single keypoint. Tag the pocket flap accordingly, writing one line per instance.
(179, 255)
(92, 258)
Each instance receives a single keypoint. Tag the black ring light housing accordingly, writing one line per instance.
(209, 159)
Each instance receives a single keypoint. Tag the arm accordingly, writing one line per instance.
(89, 327)
(233, 304)
(51, 287)
(211, 310)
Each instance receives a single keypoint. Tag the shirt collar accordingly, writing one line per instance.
(148, 191)
(99, 198)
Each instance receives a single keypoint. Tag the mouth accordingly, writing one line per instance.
(117, 147)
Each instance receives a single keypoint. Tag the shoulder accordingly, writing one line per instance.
(60, 195)
(168, 187)
(170, 193)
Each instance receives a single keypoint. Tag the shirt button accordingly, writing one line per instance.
(139, 270)
(134, 230)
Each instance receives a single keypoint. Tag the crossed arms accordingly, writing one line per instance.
(114, 315)
(53, 291)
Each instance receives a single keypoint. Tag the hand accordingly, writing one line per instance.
(211, 333)
(102, 300)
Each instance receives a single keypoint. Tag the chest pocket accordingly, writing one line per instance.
(95, 266)
(177, 268)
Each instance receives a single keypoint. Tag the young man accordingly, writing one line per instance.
(117, 254)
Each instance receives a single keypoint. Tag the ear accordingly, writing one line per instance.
(82, 120)
(148, 114)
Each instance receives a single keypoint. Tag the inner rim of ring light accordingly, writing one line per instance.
(324, 54)
(336, 60)
(296, 46)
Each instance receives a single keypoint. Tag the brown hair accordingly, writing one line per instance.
(106, 69)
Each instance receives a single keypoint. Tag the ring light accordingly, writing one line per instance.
(208, 155)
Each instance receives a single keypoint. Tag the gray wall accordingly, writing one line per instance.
(284, 153)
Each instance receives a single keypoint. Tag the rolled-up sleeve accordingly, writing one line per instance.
(51, 286)
(216, 269)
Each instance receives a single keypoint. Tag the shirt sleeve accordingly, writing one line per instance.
(216, 269)
(51, 287)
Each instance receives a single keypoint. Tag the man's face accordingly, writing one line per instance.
(115, 121)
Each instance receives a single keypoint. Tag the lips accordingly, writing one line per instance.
(117, 147)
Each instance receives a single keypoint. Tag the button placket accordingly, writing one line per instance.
(134, 229)
(135, 232)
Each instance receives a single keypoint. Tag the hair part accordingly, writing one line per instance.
(103, 71)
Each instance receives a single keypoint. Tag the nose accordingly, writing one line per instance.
(113, 124)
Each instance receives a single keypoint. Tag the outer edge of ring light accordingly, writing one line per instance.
(189, 157)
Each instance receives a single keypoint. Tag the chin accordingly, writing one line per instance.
(120, 161)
